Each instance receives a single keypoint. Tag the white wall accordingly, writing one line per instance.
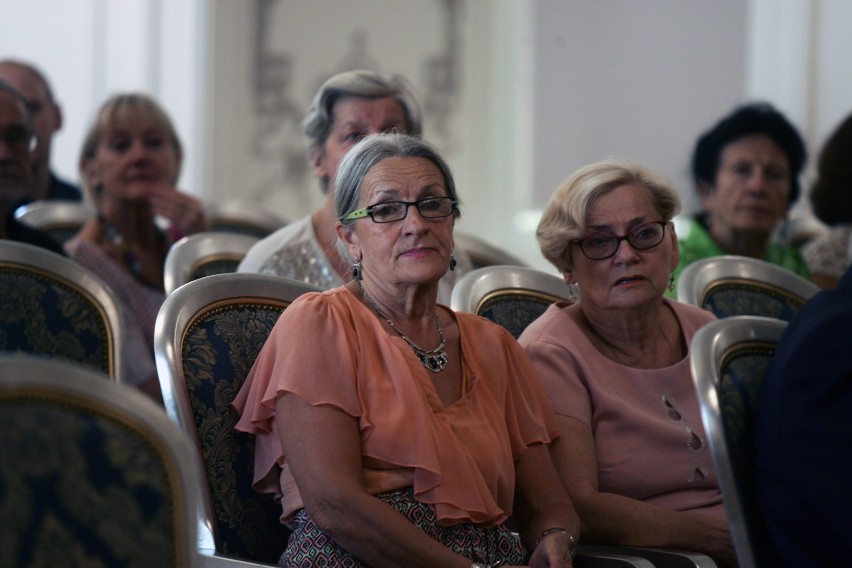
(540, 87)
(91, 49)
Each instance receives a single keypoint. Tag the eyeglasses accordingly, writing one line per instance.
(642, 237)
(18, 139)
(390, 211)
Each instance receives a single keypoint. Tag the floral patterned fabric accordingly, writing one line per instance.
(218, 351)
(40, 314)
(79, 488)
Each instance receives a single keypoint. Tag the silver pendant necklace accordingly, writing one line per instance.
(433, 359)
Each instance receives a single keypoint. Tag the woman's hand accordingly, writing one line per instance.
(184, 212)
(553, 551)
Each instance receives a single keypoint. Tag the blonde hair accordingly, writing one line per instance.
(120, 106)
(564, 218)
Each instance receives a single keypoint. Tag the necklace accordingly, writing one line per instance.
(433, 359)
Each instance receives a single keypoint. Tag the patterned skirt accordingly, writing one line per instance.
(310, 547)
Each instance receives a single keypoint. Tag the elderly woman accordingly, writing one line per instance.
(396, 432)
(633, 452)
(130, 163)
(746, 171)
(347, 107)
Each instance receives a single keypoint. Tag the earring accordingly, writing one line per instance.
(452, 262)
(356, 268)
(671, 285)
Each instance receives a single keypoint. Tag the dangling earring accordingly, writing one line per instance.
(671, 286)
(356, 268)
(452, 260)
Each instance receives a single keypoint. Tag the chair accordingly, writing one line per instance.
(738, 285)
(512, 296)
(207, 336)
(484, 253)
(729, 358)
(53, 306)
(239, 217)
(203, 254)
(92, 473)
(60, 218)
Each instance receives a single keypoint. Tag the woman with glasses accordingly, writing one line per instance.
(633, 453)
(394, 431)
(346, 108)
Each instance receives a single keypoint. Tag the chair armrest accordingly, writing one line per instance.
(209, 559)
(592, 557)
(659, 557)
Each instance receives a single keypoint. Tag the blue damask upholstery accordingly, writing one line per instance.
(512, 296)
(209, 332)
(91, 472)
(729, 358)
(736, 285)
(53, 306)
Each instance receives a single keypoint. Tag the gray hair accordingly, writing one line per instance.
(362, 84)
(564, 218)
(372, 150)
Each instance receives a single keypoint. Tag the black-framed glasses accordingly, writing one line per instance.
(641, 237)
(390, 211)
(18, 139)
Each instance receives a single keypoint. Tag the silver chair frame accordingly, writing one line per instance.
(191, 252)
(30, 258)
(711, 346)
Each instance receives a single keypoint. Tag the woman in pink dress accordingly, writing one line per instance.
(130, 163)
(633, 453)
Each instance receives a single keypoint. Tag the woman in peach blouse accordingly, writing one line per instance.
(396, 432)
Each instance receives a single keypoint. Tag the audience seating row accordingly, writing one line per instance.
(210, 330)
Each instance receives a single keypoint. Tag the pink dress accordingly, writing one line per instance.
(330, 349)
(139, 302)
(646, 423)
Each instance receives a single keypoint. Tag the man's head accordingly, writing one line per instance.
(17, 140)
(46, 114)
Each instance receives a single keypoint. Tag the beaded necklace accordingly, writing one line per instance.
(433, 359)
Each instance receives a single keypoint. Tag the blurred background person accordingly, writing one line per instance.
(47, 120)
(633, 452)
(17, 140)
(828, 255)
(347, 107)
(394, 431)
(130, 162)
(746, 171)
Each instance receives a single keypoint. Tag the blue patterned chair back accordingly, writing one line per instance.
(215, 328)
(53, 306)
(219, 349)
(90, 472)
(515, 309)
(511, 296)
(204, 254)
(730, 285)
(741, 297)
(729, 359)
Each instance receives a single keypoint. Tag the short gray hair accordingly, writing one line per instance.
(362, 84)
(372, 150)
(564, 218)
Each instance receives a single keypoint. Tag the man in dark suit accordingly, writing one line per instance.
(803, 436)
(17, 141)
(46, 116)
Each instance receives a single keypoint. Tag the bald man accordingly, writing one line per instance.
(47, 120)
